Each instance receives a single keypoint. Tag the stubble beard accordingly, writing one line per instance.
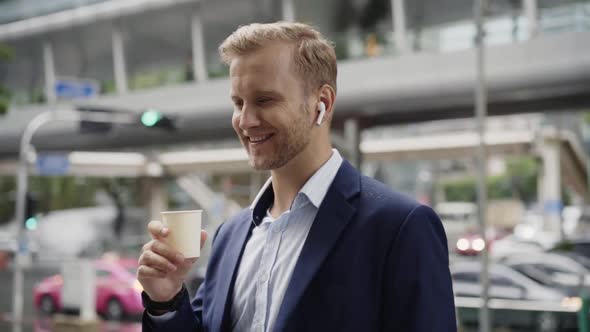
(288, 144)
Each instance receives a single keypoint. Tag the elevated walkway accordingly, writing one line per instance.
(548, 73)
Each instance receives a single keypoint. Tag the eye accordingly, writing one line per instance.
(238, 104)
(263, 100)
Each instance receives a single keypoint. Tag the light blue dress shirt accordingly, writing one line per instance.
(272, 251)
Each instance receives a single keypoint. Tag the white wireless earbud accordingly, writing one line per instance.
(322, 110)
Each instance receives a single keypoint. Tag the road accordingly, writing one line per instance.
(32, 321)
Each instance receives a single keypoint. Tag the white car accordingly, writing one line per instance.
(521, 298)
(523, 241)
(505, 283)
(553, 269)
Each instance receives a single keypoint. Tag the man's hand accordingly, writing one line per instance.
(162, 269)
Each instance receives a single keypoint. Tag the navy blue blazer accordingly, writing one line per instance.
(374, 260)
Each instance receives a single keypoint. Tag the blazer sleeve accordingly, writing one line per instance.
(188, 317)
(417, 285)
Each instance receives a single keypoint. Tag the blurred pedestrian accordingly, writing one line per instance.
(321, 248)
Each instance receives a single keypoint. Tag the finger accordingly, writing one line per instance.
(167, 252)
(151, 259)
(144, 271)
(157, 229)
(204, 236)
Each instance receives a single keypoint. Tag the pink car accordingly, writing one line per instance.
(118, 293)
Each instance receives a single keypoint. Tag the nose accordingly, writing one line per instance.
(249, 118)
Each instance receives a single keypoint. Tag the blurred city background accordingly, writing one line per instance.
(405, 115)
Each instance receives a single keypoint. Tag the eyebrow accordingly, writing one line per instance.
(271, 93)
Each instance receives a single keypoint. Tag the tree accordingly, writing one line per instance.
(6, 55)
(7, 196)
(519, 182)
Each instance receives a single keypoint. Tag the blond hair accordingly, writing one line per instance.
(314, 56)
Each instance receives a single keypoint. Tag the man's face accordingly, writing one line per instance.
(271, 116)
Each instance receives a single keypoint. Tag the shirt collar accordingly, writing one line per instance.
(315, 188)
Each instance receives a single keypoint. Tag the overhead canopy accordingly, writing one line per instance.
(548, 73)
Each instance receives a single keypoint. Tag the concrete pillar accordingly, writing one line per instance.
(155, 197)
(530, 11)
(288, 10)
(49, 69)
(551, 185)
(398, 15)
(352, 135)
(119, 63)
(198, 46)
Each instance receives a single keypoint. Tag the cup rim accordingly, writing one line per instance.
(183, 211)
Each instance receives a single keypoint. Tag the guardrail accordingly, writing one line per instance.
(577, 306)
(526, 305)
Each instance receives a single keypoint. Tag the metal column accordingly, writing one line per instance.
(49, 69)
(119, 64)
(198, 45)
(352, 135)
(551, 185)
(288, 10)
(398, 15)
(480, 10)
(530, 9)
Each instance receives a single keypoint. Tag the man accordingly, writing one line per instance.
(321, 248)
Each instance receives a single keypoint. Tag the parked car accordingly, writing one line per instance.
(471, 243)
(118, 292)
(523, 241)
(553, 270)
(580, 246)
(457, 218)
(507, 283)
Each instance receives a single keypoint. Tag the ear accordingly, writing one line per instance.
(327, 95)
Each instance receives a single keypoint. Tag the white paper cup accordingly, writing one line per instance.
(185, 231)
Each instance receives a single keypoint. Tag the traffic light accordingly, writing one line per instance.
(152, 118)
(31, 220)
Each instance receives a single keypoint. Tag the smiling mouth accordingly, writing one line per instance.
(256, 140)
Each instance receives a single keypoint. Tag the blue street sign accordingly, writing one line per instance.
(552, 206)
(70, 88)
(52, 164)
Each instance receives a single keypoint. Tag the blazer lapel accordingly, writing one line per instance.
(333, 215)
(231, 258)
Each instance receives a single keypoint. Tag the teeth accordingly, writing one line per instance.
(255, 139)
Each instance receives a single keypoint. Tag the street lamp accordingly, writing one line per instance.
(88, 115)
